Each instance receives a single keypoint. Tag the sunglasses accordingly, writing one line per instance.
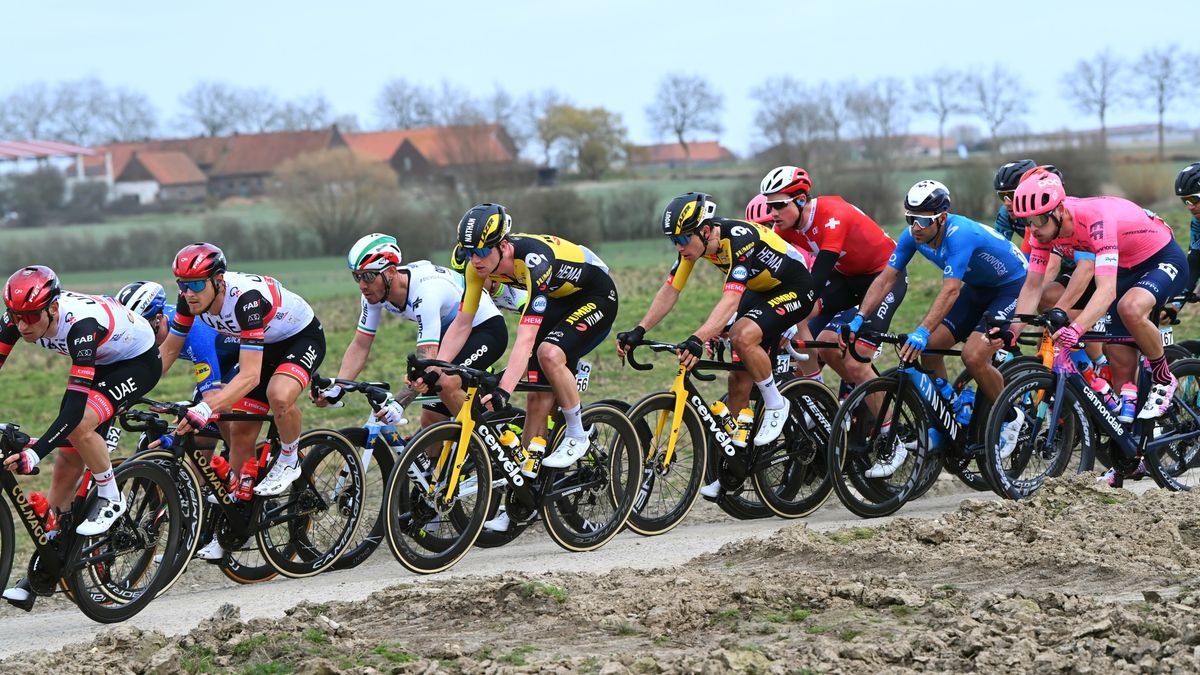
(920, 222)
(1039, 220)
(1005, 195)
(26, 318)
(680, 239)
(193, 285)
(1191, 200)
(478, 252)
(365, 277)
(778, 206)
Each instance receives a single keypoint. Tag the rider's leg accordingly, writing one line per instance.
(940, 338)
(553, 361)
(747, 337)
(538, 406)
(68, 469)
(94, 453)
(282, 392)
(977, 355)
(739, 390)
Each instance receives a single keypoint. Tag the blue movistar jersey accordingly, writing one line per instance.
(970, 251)
(1195, 243)
(214, 356)
(1007, 225)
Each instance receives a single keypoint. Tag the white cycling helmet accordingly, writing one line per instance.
(373, 252)
(145, 298)
(790, 180)
(927, 196)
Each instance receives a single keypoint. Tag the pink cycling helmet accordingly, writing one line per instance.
(757, 211)
(1040, 191)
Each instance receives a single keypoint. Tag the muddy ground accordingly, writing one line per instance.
(1081, 578)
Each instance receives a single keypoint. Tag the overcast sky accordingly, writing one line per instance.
(609, 53)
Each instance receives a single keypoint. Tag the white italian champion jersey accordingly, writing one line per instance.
(434, 293)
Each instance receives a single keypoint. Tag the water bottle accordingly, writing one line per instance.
(1129, 394)
(964, 405)
(745, 420)
(41, 507)
(533, 457)
(1105, 392)
(221, 466)
(1083, 363)
(245, 489)
(720, 411)
(509, 440)
(944, 388)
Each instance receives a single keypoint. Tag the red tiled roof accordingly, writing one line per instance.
(701, 151)
(35, 149)
(443, 146)
(166, 168)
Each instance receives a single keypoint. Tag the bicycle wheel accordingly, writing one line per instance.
(859, 440)
(501, 498)
(1023, 471)
(191, 504)
(313, 523)
(1176, 466)
(7, 543)
(378, 462)
(667, 493)
(586, 504)
(117, 559)
(421, 531)
(791, 475)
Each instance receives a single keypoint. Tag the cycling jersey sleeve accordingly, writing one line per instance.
(8, 337)
(905, 248)
(473, 293)
(509, 298)
(680, 272)
(250, 312)
(368, 318)
(182, 321)
(1039, 256)
(82, 342)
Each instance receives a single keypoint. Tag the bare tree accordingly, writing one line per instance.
(78, 106)
(592, 138)
(505, 110)
(403, 105)
(308, 112)
(684, 106)
(878, 112)
(30, 111)
(940, 94)
(1156, 77)
(998, 96)
(1090, 87)
(210, 109)
(348, 122)
(129, 116)
(790, 118)
(454, 105)
(258, 110)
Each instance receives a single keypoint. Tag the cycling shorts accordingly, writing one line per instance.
(840, 300)
(577, 324)
(778, 309)
(1164, 275)
(974, 305)
(484, 346)
(297, 357)
(118, 385)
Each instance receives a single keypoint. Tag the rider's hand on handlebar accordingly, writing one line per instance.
(1001, 337)
(916, 343)
(194, 419)
(497, 400)
(391, 412)
(629, 338)
(849, 333)
(1068, 337)
(690, 351)
(330, 396)
(22, 462)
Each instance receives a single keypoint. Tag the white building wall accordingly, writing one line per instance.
(146, 191)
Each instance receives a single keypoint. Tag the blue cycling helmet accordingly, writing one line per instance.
(143, 297)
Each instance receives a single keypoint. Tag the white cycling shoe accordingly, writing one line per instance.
(101, 517)
(567, 453)
(712, 490)
(212, 551)
(882, 468)
(772, 423)
(279, 478)
(1010, 434)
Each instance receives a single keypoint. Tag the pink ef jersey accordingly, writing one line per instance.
(1113, 231)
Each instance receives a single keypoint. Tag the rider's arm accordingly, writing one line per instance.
(355, 358)
(518, 357)
(200, 348)
(668, 294)
(251, 309)
(460, 328)
(180, 325)
(1102, 298)
(719, 317)
(1085, 269)
(878, 290)
(8, 337)
(951, 287)
(82, 341)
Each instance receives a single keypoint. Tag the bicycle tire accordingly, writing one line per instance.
(377, 467)
(743, 503)
(412, 517)
(662, 503)
(1024, 471)
(501, 496)
(326, 504)
(191, 502)
(856, 444)
(1175, 467)
(791, 474)
(8, 544)
(152, 501)
(585, 505)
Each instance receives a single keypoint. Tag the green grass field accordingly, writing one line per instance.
(250, 213)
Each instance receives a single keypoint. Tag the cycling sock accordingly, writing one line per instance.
(287, 453)
(770, 393)
(106, 485)
(574, 421)
(1159, 371)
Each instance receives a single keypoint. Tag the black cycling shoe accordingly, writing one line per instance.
(21, 595)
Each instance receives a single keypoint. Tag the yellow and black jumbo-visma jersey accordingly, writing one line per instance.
(544, 265)
(752, 257)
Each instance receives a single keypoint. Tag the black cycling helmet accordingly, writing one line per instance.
(483, 226)
(1009, 175)
(1188, 180)
(686, 213)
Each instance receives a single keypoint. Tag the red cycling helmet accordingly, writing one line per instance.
(199, 261)
(790, 180)
(31, 289)
(757, 211)
(1040, 191)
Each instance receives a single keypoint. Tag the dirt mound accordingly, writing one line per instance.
(1080, 578)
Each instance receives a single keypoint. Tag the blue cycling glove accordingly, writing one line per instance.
(855, 324)
(918, 338)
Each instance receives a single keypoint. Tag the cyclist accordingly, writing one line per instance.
(1134, 259)
(113, 362)
(982, 273)
(281, 343)
(505, 297)
(1187, 188)
(1005, 182)
(427, 295)
(573, 302)
(766, 283)
(850, 252)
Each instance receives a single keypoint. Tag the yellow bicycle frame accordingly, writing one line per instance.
(466, 419)
(680, 393)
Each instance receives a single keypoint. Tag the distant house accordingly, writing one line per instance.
(672, 155)
(454, 154)
(169, 176)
